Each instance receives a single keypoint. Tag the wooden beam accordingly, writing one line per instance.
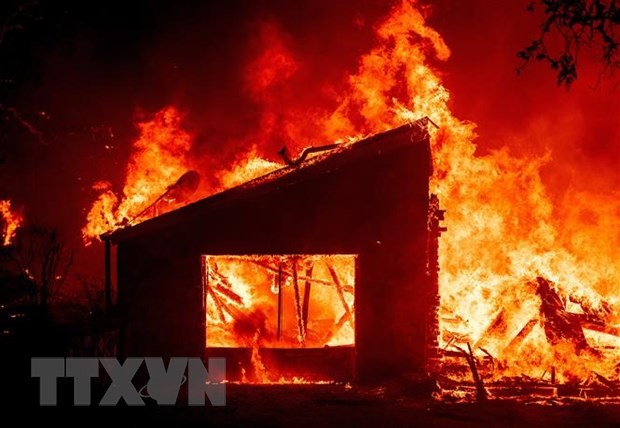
(334, 276)
(306, 303)
(279, 301)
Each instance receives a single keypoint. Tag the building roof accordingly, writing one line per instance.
(322, 162)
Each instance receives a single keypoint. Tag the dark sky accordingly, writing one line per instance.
(76, 76)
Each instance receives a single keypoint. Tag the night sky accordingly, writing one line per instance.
(76, 76)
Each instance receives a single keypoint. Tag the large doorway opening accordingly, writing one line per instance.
(280, 307)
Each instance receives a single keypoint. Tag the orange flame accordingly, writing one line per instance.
(160, 157)
(247, 294)
(244, 169)
(11, 222)
(503, 228)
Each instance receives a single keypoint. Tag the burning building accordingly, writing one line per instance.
(339, 249)
(317, 266)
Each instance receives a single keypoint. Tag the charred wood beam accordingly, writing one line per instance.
(306, 304)
(497, 326)
(284, 154)
(230, 309)
(224, 287)
(348, 315)
(345, 287)
(488, 354)
(228, 293)
(560, 325)
(298, 310)
(593, 312)
(435, 216)
(601, 328)
(605, 381)
(334, 276)
(426, 120)
(336, 328)
(523, 333)
(107, 290)
(279, 331)
(481, 392)
(215, 274)
(218, 304)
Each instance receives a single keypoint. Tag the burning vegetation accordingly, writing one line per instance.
(11, 221)
(528, 284)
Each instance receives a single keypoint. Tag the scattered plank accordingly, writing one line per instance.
(481, 392)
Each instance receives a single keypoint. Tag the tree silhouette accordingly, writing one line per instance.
(576, 23)
(43, 261)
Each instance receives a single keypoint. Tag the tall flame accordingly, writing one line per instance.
(160, 157)
(504, 230)
(11, 221)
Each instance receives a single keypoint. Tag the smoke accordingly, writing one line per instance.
(254, 77)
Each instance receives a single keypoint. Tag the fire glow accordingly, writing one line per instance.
(512, 264)
(159, 158)
(286, 301)
(11, 221)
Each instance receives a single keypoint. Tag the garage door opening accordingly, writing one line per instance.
(273, 305)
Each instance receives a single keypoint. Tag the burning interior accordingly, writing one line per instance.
(294, 301)
(266, 307)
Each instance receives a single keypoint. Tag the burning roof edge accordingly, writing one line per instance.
(283, 176)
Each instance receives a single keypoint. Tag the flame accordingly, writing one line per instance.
(273, 64)
(246, 294)
(160, 157)
(258, 302)
(11, 222)
(248, 167)
(264, 376)
(504, 229)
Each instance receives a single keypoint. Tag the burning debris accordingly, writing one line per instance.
(286, 157)
(560, 325)
(573, 355)
(259, 300)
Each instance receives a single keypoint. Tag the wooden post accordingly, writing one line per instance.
(306, 305)
(108, 275)
(481, 392)
(279, 300)
(301, 334)
(340, 291)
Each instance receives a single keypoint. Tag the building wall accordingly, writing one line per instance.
(375, 206)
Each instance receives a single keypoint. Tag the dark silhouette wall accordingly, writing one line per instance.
(370, 200)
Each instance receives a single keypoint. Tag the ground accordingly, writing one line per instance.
(342, 405)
